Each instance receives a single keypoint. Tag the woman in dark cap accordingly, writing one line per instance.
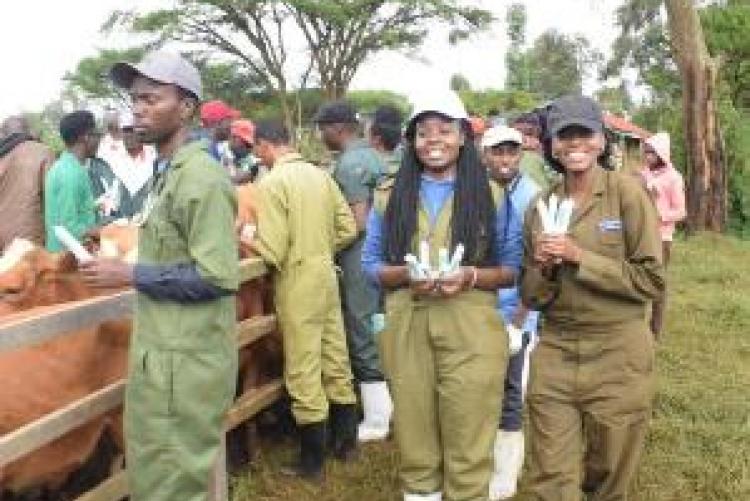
(592, 376)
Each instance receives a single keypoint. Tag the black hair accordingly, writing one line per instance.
(387, 126)
(189, 96)
(531, 119)
(474, 211)
(74, 126)
(273, 131)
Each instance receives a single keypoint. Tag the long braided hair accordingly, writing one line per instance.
(474, 211)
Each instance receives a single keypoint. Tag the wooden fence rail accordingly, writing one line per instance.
(50, 322)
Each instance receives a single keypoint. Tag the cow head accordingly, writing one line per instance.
(30, 276)
(115, 240)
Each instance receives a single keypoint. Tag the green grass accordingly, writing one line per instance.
(699, 443)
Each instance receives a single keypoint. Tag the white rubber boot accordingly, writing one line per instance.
(435, 496)
(378, 407)
(509, 447)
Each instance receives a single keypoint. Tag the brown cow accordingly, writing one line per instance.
(67, 368)
(40, 379)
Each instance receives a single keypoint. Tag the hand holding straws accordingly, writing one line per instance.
(555, 216)
(421, 269)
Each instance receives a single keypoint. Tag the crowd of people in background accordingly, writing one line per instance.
(563, 322)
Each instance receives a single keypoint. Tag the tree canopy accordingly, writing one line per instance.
(337, 36)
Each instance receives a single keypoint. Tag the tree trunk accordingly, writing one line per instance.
(333, 89)
(707, 180)
(286, 110)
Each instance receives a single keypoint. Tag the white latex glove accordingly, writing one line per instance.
(515, 339)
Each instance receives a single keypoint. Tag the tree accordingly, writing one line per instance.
(707, 186)
(643, 44)
(508, 103)
(516, 60)
(338, 35)
(221, 80)
(459, 83)
(558, 64)
(90, 79)
(727, 32)
(615, 99)
(341, 35)
(695, 64)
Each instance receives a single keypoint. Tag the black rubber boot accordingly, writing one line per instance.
(309, 466)
(344, 420)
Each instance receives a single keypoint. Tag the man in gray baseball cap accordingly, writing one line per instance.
(183, 353)
(160, 66)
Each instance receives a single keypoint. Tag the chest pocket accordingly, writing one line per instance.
(163, 241)
(169, 241)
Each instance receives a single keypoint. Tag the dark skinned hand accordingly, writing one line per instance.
(106, 273)
(450, 285)
(424, 287)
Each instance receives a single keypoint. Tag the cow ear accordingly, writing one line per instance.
(43, 261)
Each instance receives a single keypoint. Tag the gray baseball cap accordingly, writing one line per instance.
(574, 110)
(160, 66)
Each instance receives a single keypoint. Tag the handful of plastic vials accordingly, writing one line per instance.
(421, 269)
(555, 216)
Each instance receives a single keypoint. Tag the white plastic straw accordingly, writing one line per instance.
(444, 266)
(564, 214)
(458, 255)
(415, 270)
(424, 255)
(541, 208)
(73, 245)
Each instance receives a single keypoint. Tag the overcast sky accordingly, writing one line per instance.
(42, 39)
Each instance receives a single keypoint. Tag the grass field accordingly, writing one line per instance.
(699, 444)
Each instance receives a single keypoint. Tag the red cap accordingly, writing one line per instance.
(213, 112)
(244, 129)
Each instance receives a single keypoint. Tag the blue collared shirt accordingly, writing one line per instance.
(434, 194)
(519, 194)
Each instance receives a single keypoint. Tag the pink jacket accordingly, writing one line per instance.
(666, 187)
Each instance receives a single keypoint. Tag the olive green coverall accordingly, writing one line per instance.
(183, 356)
(303, 220)
(592, 376)
(357, 171)
(445, 361)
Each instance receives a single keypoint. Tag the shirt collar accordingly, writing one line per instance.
(355, 144)
(511, 187)
(67, 156)
(598, 184)
(186, 151)
(286, 158)
(431, 180)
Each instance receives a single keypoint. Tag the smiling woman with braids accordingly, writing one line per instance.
(444, 349)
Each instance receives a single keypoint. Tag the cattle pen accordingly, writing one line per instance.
(65, 318)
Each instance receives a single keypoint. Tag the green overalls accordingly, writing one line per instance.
(357, 171)
(592, 375)
(303, 220)
(183, 357)
(445, 362)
